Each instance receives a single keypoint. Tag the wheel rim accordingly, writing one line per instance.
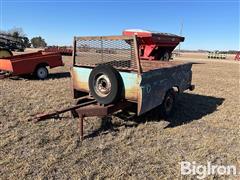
(168, 104)
(102, 85)
(166, 56)
(42, 73)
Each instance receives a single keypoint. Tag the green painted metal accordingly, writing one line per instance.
(130, 81)
(154, 84)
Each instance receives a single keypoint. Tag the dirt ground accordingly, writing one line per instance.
(204, 127)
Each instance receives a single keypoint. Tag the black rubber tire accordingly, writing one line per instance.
(41, 72)
(115, 80)
(166, 56)
(166, 108)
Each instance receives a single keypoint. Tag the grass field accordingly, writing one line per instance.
(205, 127)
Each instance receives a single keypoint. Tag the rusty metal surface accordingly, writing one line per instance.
(118, 51)
(136, 47)
(99, 110)
(152, 65)
(55, 114)
(81, 118)
(103, 38)
(80, 76)
(146, 86)
(155, 83)
(87, 108)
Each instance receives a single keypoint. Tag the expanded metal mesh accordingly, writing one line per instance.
(119, 53)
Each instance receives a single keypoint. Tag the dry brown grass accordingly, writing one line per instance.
(204, 127)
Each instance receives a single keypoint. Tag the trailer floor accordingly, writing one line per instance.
(205, 127)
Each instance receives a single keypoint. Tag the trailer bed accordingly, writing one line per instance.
(27, 63)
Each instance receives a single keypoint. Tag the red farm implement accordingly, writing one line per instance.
(32, 63)
(237, 57)
(155, 45)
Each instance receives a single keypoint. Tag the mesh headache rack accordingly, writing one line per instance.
(117, 51)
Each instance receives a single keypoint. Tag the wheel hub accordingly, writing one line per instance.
(41, 72)
(102, 85)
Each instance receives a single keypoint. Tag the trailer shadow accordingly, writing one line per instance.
(189, 107)
(59, 75)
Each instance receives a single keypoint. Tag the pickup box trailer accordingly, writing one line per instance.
(108, 75)
(119, 73)
(31, 63)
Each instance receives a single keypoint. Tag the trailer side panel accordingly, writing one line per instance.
(156, 83)
(80, 76)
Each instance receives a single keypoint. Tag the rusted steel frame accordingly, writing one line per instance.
(73, 64)
(104, 38)
(154, 65)
(81, 118)
(101, 38)
(137, 55)
(92, 66)
(101, 49)
(98, 110)
(42, 117)
(74, 51)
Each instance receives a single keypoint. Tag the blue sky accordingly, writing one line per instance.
(212, 24)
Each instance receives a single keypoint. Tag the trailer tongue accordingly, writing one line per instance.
(154, 45)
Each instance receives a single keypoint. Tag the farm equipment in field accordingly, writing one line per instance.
(32, 63)
(104, 83)
(155, 45)
(8, 41)
(62, 50)
(237, 57)
(216, 55)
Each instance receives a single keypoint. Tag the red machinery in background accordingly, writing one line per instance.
(62, 50)
(155, 45)
(237, 57)
(35, 63)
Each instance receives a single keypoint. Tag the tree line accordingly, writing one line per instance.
(18, 35)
